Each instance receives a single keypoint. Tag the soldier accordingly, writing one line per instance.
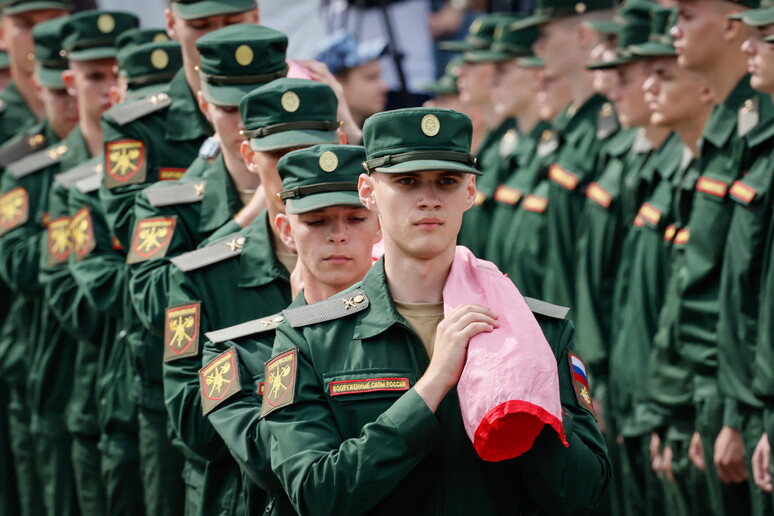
(333, 234)
(445, 93)
(395, 409)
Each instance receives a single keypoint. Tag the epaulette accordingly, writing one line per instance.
(244, 329)
(229, 247)
(90, 184)
(749, 116)
(37, 161)
(2, 105)
(508, 143)
(210, 149)
(16, 149)
(69, 178)
(336, 307)
(549, 142)
(547, 309)
(132, 110)
(181, 193)
(607, 121)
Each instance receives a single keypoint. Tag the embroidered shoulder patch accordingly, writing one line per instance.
(125, 163)
(14, 209)
(59, 246)
(219, 380)
(170, 173)
(181, 331)
(580, 382)
(280, 387)
(507, 195)
(743, 192)
(562, 177)
(711, 186)
(82, 234)
(151, 239)
(599, 195)
(650, 213)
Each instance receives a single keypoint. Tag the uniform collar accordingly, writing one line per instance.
(77, 149)
(622, 142)
(761, 134)
(381, 313)
(582, 119)
(185, 120)
(722, 122)
(220, 201)
(259, 263)
(669, 157)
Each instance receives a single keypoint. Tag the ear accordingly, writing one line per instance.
(285, 232)
(34, 81)
(68, 77)
(248, 156)
(365, 187)
(169, 21)
(203, 105)
(342, 138)
(470, 191)
(706, 96)
(114, 94)
(254, 17)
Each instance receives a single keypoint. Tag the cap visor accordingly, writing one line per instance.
(604, 26)
(424, 165)
(531, 21)
(227, 95)
(613, 63)
(92, 54)
(438, 88)
(531, 62)
(50, 78)
(289, 139)
(485, 56)
(37, 6)
(195, 10)
(320, 201)
(652, 49)
(757, 17)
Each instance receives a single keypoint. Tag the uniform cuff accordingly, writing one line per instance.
(732, 417)
(414, 420)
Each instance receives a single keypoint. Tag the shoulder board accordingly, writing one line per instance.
(336, 307)
(229, 247)
(749, 116)
(253, 327)
(90, 184)
(210, 148)
(17, 149)
(547, 309)
(607, 121)
(71, 177)
(181, 193)
(2, 105)
(132, 110)
(37, 161)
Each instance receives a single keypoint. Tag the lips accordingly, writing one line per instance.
(337, 259)
(429, 223)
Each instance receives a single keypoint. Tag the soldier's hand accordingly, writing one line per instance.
(451, 349)
(319, 72)
(761, 462)
(667, 463)
(696, 452)
(252, 209)
(656, 460)
(729, 456)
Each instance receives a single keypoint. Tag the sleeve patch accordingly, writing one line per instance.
(171, 174)
(599, 195)
(82, 234)
(280, 388)
(580, 382)
(181, 331)
(535, 203)
(562, 177)
(711, 186)
(743, 192)
(125, 163)
(507, 195)
(14, 209)
(219, 380)
(151, 239)
(59, 246)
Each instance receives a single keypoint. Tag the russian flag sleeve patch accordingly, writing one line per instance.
(580, 382)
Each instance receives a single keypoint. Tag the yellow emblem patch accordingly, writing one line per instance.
(125, 163)
(507, 195)
(59, 245)
(151, 239)
(535, 203)
(82, 234)
(290, 102)
(430, 125)
(159, 59)
(563, 177)
(181, 331)
(14, 209)
(280, 388)
(219, 380)
(711, 186)
(106, 23)
(599, 195)
(158, 38)
(244, 55)
(328, 161)
(170, 173)
(743, 192)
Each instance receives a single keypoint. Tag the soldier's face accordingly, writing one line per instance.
(514, 89)
(475, 83)
(760, 59)
(365, 91)
(264, 164)
(553, 95)
(558, 46)
(17, 34)
(699, 33)
(61, 110)
(628, 95)
(604, 80)
(91, 82)
(227, 124)
(420, 212)
(675, 96)
(334, 244)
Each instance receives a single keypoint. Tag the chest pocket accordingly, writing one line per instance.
(366, 385)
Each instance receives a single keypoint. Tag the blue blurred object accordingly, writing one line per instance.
(341, 51)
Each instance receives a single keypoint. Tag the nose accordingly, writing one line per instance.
(676, 32)
(748, 47)
(648, 85)
(429, 198)
(338, 232)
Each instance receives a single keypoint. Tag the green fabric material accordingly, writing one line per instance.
(15, 115)
(27, 479)
(185, 121)
(50, 64)
(150, 63)
(91, 35)
(87, 461)
(161, 465)
(752, 428)
(134, 37)
(547, 10)
(641, 489)
(120, 470)
(9, 501)
(23, 6)
(195, 9)
(480, 34)
(384, 452)
(763, 383)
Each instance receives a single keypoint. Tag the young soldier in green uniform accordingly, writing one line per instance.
(333, 234)
(401, 445)
(87, 41)
(694, 309)
(565, 44)
(246, 274)
(740, 276)
(233, 61)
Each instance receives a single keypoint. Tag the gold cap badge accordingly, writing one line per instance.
(430, 125)
(580, 8)
(244, 55)
(158, 38)
(328, 161)
(159, 59)
(106, 23)
(290, 102)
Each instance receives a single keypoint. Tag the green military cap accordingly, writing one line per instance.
(660, 42)
(90, 35)
(509, 42)
(634, 20)
(549, 10)
(289, 113)
(321, 176)
(139, 36)
(533, 62)
(49, 60)
(239, 58)
(23, 6)
(147, 65)
(194, 9)
(480, 35)
(447, 83)
(764, 15)
(418, 139)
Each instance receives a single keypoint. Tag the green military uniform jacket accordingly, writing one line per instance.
(763, 382)
(15, 114)
(474, 231)
(579, 161)
(740, 277)
(381, 450)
